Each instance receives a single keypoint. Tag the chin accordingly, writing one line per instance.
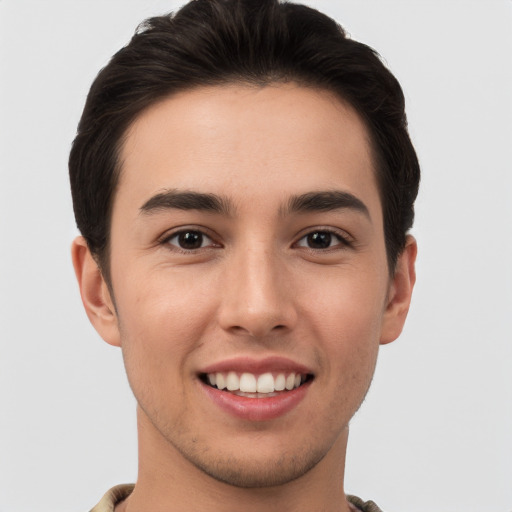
(261, 465)
(251, 474)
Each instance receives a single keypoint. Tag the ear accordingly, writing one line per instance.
(400, 292)
(95, 294)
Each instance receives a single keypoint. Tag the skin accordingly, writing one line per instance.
(257, 287)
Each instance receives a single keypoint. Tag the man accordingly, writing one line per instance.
(244, 183)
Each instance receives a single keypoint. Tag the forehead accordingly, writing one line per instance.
(247, 141)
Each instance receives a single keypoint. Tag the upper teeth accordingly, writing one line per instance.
(250, 383)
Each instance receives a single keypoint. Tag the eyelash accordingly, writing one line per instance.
(166, 240)
(344, 240)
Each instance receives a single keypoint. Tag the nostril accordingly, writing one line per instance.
(257, 331)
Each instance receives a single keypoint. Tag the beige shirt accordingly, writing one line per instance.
(121, 492)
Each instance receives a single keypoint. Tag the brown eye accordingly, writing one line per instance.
(190, 240)
(322, 240)
(319, 240)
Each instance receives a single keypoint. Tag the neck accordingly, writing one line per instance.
(167, 481)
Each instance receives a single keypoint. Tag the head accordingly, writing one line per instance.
(244, 182)
(250, 42)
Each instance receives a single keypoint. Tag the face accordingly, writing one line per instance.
(249, 278)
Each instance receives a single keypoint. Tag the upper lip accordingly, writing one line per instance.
(257, 366)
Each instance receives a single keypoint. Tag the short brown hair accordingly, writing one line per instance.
(215, 42)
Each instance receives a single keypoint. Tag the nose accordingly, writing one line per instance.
(257, 295)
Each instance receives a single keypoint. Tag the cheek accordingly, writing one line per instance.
(353, 343)
(347, 316)
(349, 302)
(162, 319)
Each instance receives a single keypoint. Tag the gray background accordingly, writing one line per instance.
(435, 433)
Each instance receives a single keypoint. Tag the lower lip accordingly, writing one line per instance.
(257, 409)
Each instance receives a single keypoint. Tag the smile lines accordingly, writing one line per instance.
(265, 383)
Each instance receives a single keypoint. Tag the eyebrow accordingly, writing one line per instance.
(174, 199)
(324, 201)
(321, 201)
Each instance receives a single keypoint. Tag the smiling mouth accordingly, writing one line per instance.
(252, 385)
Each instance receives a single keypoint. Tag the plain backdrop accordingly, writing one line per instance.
(435, 433)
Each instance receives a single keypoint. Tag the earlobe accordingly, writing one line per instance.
(400, 292)
(95, 294)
